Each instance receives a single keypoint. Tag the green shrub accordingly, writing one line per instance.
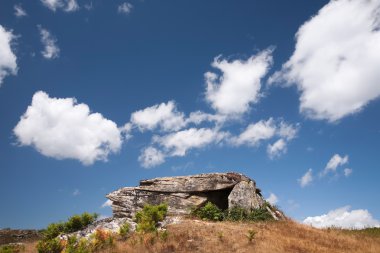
(78, 222)
(236, 213)
(50, 243)
(12, 248)
(49, 246)
(124, 230)
(209, 212)
(53, 230)
(149, 216)
(261, 214)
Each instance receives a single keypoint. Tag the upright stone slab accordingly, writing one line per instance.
(244, 195)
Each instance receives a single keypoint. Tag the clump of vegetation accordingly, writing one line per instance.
(101, 239)
(164, 235)
(12, 248)
(124, 230)
(261, 214)
(251, 235)
(51, 244)
(236, 213)
(149, 216)
(209, 212)
(73, 224)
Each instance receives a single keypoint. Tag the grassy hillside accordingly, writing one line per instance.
(285, 236)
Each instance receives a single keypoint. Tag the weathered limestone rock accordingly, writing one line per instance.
(184, 193)
(244, 195)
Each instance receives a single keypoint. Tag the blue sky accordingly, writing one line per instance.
(96, 95)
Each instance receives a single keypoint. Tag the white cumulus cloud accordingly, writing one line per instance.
(239, 84)
(8, 65)
(335, 161)
(19, 11)
(263, 130)
(272, 199)
(125, 8)
(51, 49)
(306, 179)
(66, 5)
(344, 218)
(178, 143)
(151, 157)
(164, 115)
(336, 59)
(62, 129)
(256, 132)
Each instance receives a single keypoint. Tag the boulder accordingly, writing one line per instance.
(185, 193)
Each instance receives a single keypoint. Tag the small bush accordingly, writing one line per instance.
(251, 235)
(261, 214)
(78, 222)
(209, 212)
(12, 248)
(53, 230)
(236, 213)
(124, 230)
(101, 239)
(49, 246)
(149, 216)
(164, 235)
(50, 243)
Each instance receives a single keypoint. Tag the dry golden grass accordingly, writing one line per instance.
(284, 236)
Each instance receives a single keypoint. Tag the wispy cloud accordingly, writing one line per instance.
(65, 5)
(8, 64)
(76, 192)
(51, 49)
(335, 161)
(19, 11)
(125, 8)
(306, 179)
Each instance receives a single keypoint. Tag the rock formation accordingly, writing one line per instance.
(185, 193)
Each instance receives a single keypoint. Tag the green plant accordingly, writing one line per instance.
(236, 213)
(12, 248)
(49, 246)
(53, 230)
(250, 235)
(73, 245)
(124, 230)
(149, 216)
(261, 214)
(101, 239)
(220, 236)
(209, 212)
(50, 243)
(164, 235)
(78, 222)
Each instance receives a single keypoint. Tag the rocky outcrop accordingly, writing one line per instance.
(185, 193)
